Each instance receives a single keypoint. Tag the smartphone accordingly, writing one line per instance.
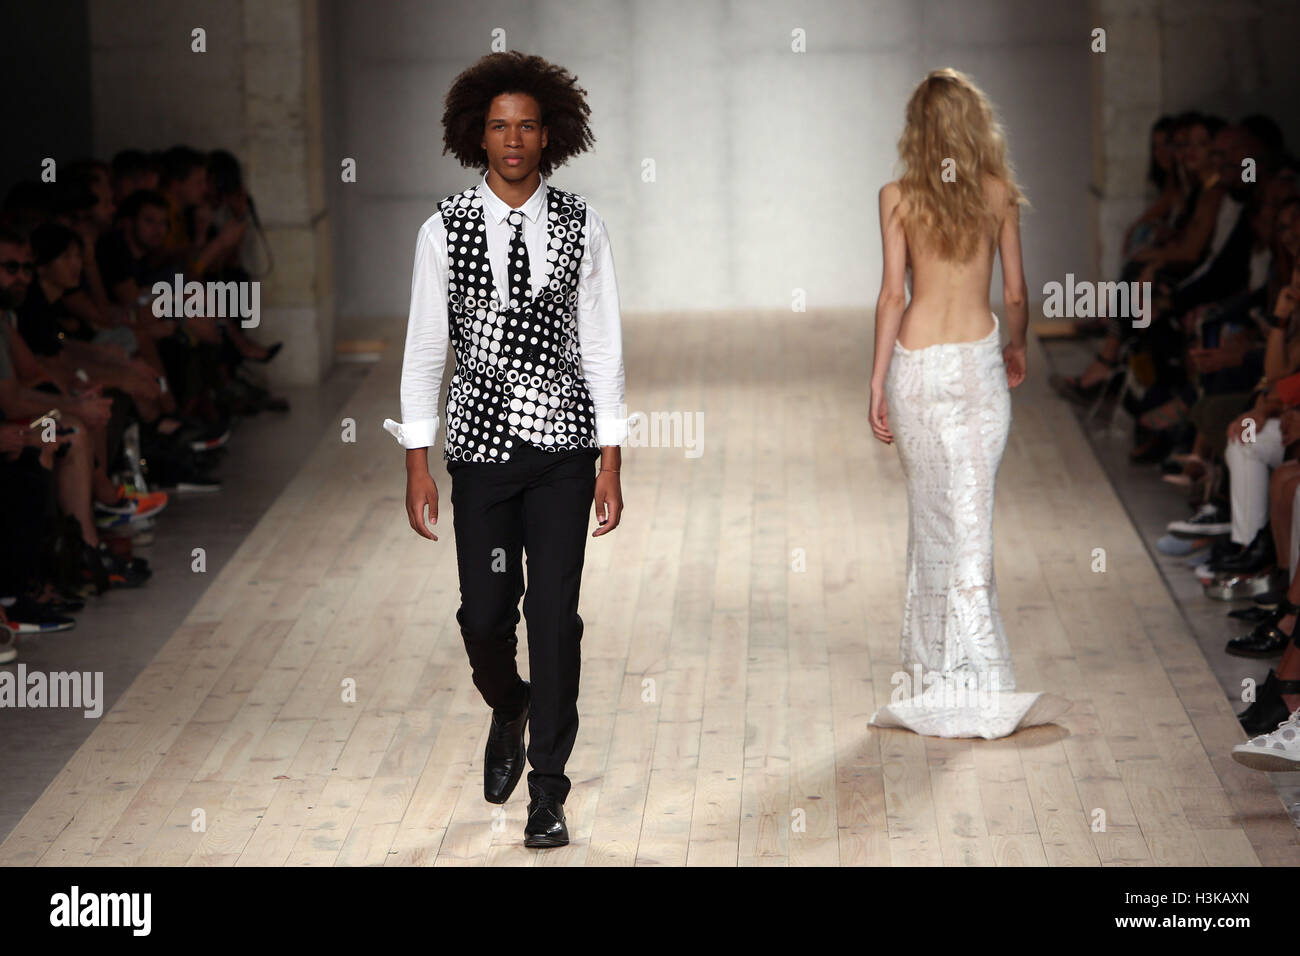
(40, 420)
(1211, 335)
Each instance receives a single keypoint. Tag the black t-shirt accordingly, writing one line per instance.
(116, 263)
(39, 322)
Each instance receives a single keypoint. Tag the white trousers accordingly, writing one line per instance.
(1250, 464)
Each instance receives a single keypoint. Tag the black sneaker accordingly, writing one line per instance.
(107, 569)
(30, 617)
(1210, 520)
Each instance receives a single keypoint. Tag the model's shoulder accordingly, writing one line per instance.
(566, 195)
(891, 201)
(568, 198)
(435, 225)
(463, 199)
(579, 204)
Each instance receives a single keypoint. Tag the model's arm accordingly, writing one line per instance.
(600, 334)
(1015, 298)
(600, 341)
(422, 367)
(890, 305)
(893, 289)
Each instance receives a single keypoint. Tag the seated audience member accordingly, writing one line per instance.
(1227, 386)
(1164, 175)
(50, 333)
(61, 339)
(230, 202)
(1192, 234)
(133, 171)
(129, 259)
(185, 186)
(87, 416)
(27, 392)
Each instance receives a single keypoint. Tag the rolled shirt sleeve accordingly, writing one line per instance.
(425, 355)
(600, 335)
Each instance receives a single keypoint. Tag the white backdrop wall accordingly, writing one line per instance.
(767, 161)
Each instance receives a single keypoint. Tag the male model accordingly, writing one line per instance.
(519, 277)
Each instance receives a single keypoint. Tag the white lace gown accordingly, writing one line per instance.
(949, 408)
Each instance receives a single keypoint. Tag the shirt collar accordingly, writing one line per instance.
(499, 208)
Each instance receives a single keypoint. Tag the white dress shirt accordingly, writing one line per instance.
(600, 337)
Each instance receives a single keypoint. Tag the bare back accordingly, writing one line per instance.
(950, 300)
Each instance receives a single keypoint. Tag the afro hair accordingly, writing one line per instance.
(556, 90)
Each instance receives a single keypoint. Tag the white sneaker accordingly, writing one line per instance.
(1275, 752)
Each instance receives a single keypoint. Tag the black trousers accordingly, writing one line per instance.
(29, 517)
(539, 503)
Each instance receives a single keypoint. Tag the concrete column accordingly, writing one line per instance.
(1126, 99)
(285, 169)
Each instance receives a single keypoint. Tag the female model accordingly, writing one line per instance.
(940, 385)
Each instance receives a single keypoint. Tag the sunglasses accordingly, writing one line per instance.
(12, 266)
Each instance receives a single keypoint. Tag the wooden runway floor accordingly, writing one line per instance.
(741, 627)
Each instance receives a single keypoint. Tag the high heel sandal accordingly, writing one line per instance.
(271, 352)
(1068, 387)
(1266, 639)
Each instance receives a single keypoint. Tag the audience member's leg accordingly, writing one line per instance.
(1100, 370)
(24, 488)
(75, 474)
(1294, 531)
(1250, 464)
(103, 488)
(1212, 414)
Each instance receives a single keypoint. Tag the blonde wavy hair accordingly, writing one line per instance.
(950, 118)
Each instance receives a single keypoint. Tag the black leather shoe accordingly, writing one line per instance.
(546, 826)
(1256, 556)
(1266, 639)
(1271, 598)
(1269, 709)
(503, 760)
(1253, 614)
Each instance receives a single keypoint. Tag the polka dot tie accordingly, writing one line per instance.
(517, 266)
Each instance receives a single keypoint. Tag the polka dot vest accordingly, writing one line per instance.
(518, 374)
